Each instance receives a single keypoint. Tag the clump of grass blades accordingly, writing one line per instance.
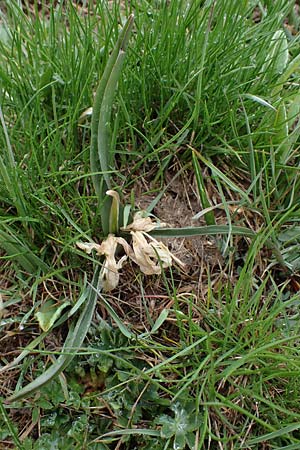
(199, 74)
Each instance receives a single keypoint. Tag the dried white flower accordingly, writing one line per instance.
(109, 274)
(149, 254)
(141, 223)
(88, 247)
(88, 112)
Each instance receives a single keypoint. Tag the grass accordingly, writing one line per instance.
(204, 123)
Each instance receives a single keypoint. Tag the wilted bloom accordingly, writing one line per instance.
(88, 112)
(88, 247)
(109, 274)
(148, 253)
(150, 256)
(141, 223)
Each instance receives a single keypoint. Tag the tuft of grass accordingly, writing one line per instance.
(205, 115)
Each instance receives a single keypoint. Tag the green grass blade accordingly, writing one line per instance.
(21, 253)
(124, 330)
(277, 56)
(160, 320)
(209, 216)
(25, 352)
(281, 134)
(10, 154)
(291, 68)
(203, 47)
(130, 432)
(259, 100)
(10, 427)
(275, 434)
(8, 172)
(252, 153)
(218, 173)
(288, 447)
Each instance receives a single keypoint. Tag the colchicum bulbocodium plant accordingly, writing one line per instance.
(143, 249)
(148, 253)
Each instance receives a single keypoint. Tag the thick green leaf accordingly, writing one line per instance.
(49, 313)
(212, 230)
(114, 212)
(100, 154)
(103, 140)
(293, 110)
